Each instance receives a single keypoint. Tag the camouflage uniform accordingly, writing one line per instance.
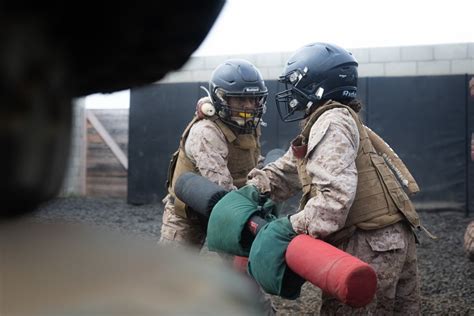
(334, 142)
(469, 241)
(207, 148)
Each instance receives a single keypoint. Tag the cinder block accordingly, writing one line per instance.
(264, 72)
(194, 63)
(384, 54)
(201, 75)
(450, 51)
(165, 79)
(462, 66)
(371, 70)
(252, 58)
(211, 62)
(273, 73)
(441, 67)
(400, 69)
(269, 60)
(285, 56)
(470, 50)
(417, 53)
(178, 76)
(361, 54)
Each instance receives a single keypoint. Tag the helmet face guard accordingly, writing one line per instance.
(292, 103)
(245, 120)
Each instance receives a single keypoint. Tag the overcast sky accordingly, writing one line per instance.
(259, 26)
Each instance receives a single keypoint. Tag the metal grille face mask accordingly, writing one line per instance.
(291, 102)
(247, 120)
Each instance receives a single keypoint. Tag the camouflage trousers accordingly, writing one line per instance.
(180, 230)
(398, 290)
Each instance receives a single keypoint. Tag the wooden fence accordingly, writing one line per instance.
(107, 148)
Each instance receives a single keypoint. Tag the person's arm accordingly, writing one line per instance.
(207, 148)
(279, 178)
(332, 148)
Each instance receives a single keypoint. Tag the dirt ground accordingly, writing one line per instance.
(447, 276)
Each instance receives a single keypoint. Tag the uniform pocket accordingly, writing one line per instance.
(386, 239)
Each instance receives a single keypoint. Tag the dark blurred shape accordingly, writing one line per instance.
(51, 52)
(104, 46)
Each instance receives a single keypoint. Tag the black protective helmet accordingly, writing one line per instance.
(316, 72)
(238, 78)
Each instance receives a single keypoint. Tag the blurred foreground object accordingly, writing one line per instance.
(51, 52)
(67, 269)
(469, 241)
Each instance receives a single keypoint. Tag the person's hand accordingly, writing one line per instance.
(260, 180)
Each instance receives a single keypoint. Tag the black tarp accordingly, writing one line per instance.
(427, 120)
(470, 143)
(424, 120)
(158, 114)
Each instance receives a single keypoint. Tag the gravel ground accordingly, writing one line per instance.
(447, 276)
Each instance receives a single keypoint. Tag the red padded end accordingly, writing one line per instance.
(240, 264)
(361, 286)
(334, 271)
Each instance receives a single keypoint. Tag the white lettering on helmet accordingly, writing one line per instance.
(349, 94)
(252, 89)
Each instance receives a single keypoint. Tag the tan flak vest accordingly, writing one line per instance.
(244, 150)
(380, 200)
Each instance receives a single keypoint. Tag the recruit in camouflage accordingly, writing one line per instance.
(207, 147)
(469, 241)
(332, 150)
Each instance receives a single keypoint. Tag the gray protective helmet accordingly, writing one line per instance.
(238, 78)
(316, 72)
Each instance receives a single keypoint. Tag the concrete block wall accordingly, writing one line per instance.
(75, 177)
(424, 60)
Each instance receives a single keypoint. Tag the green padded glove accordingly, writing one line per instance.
(267, 260)
(229, 219)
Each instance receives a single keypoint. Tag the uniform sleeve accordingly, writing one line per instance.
(207, 148)
(280, 178)
(332, 150)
